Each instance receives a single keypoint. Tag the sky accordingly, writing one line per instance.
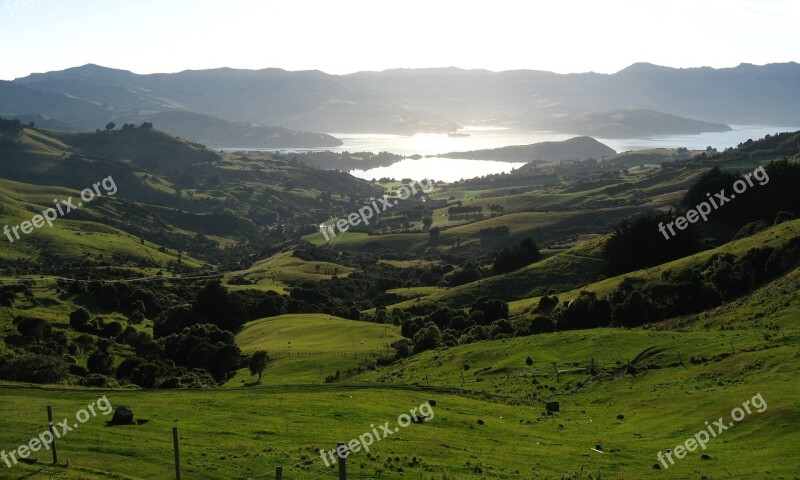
(344, 36)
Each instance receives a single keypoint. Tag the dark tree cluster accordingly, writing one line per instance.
(759, 202)
(722, 278)
(510, 259)
(637, 243)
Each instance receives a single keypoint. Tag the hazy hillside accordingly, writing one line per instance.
(215, 132)
(637, 101)
(578, 148)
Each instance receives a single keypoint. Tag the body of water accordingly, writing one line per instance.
(480, 138)
(450, 170)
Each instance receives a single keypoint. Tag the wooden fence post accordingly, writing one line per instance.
(462, 377)
(177, 453)
(558, 376)
(278, 473)
(342, 464)
(52, 433)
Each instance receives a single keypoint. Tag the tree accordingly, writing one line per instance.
(33, 328)
(136, 317)
(433, 235)
(541, 324)
(215, 305)
(110, 126)
(101, 362)
(79, 318)
(258, 363)
(428, 338)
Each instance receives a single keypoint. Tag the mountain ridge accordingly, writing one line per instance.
(407, 101)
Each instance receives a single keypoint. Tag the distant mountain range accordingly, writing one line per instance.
(228, 107)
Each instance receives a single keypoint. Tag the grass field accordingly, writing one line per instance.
(246, 432)
(499, 430)
(309, 347)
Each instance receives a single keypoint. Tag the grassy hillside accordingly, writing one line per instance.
(306, 348)
(146, 148)
(773, 236)
(78, 235)
(283, 269)
(624, 394)
(661, 405)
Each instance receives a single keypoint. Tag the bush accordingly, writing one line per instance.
(542, 324)
(100, 362)
(429, 337)
(136, 317)
(546, 303)
(33, 328)
(79, 318)
(111, 330)
(510, 259)
(486, 310)
(783, 216)
(182, 379)
(7, 298)
(99, 381)
(33, 368)
(751, 228)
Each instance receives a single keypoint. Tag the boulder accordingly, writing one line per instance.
(122, 416)
(552, 406)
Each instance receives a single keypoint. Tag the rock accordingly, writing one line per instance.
(705, 456)
(620, 417)
(553, 406)
(480, 422)
(122, 416)
(432, 403)
(598, 447)
(656, 466)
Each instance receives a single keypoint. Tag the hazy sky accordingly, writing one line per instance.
(344, 36)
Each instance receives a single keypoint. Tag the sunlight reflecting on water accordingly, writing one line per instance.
(445, 169)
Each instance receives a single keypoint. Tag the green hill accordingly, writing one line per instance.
(79, 235)
(306, 348)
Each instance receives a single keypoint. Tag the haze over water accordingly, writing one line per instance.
(493, 137)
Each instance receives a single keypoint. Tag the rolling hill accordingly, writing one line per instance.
(578, 148)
